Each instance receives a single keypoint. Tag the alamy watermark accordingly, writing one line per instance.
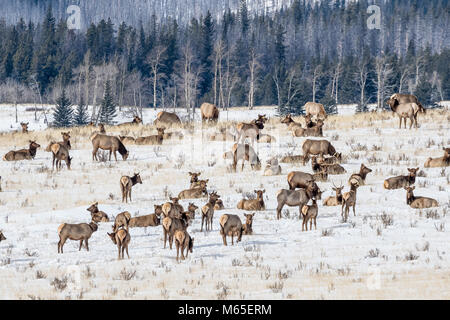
(74, 19)
(374, 20)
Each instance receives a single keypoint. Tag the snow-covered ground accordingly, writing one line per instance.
(388, 250)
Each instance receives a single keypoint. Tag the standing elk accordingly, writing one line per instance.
(317, 147)
(230, 225)
(183, 241)
(122, 220)
(172, 209)
(111, 143)
(419, 202)
(127, 139)
(248, 229)
(439, 162)
(59, 153)
(209, 112)
(401, 181)
(299, 179)
(154, 139)
(253, 204)
(315, 109)
(24, 127)
(272, 168)
(97, 215)
(336, 200)
(22, 154)
(404, 111)
(349, 199)
(294, 198)
(194, 193)
(208, 211)
(309, 213)
(122, 239)
(168, 118)
(405, 98)
(250, 130)
(245, 153)
(361, 175)
(126, 183)
(171, 225)
(81, 232)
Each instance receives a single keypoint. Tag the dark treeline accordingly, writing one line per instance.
(320, 52)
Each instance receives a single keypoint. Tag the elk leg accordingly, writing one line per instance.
(165, 238)
(86, 244)
(178, 249)
(81, 243)
(400, 126)
(315, 223)
(279, 208)
(94, 154)
(127, 252)
(118, 251)
(232, 238)
(354, 205)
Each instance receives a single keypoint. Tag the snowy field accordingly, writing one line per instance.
(387, 251)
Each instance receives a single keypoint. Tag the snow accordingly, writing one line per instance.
(362, 258)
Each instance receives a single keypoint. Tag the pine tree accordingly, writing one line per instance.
(81, 115)
(63, 113)
(108, 107)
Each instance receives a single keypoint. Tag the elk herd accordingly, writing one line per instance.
(302, 188)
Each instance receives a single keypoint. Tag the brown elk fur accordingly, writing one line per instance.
(294, 198)
(291, 124)
(253, 204)
(315, 109)
(248, 229)
(245, 153)
(295, 159)
(315, 131)
(171, 225)
(401, 181)
(209, 112)
(183, 241)
(317, 147)
(122, 220)
(230, 225)
(198, 192)
(81, 232)
(121, 238)
(439, 162)
(361, 175)
(208, 211)
(349, 200)
(110, 143)
(404, 111)
(127, 139)
(22, 154)
(97, 215)
(217, 206)
(155, 139)
(336, 200)
(250, 130)
(24, 127)
(164, 117)
(126, 183)
(309, 213)
(419, 202)
(136, 120)
(172, 209)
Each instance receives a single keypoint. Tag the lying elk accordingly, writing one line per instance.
(419, 202)
(113, 144)
(194, 193)
(171, 225)
(230, 225)
(248, 229)
(97, 215)
(208, 211)
(317, 147)
(272, 168)
(136, 120)
(81, 232)
(245, 153)
(336, 158)
(328, 168)
(266, 138)
(122, 239)
(149, 220)
(294, 198)
(127, 139)
(24, 127)
(122, 220)
(361, 175)
(253, 204)
(309, 213)
(250, 130)
(155, 139)
(291, 124)
(349, 199)
(315, 131)
(336, 200)
(439, 162)
(183, 241)
(295, 159)
(126, 183)
(401, 181)
(22, 154)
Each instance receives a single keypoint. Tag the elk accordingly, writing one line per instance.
(208, 211)
(59, 153)
(230, 225)
(266, 138)
(405, 98)
(97, 215)
(401, 181)
(101, 127)
(308, 121)
(404, 111)
(419, 202)
(2, 237)
(183, 241)
(250, 130)
(295, 159)
(291, 124)
(315, 109)
(321, 176)
(122, 220)
(194, 178)
(336, 158)
(22, 154)
(172, 209)
(171, 225)
(334, 168)
(209, 112)
(111, 143)
(149, 220)
(294, 198)
(155, 139)
(349, 199)
(439, 162)
(194, 193)
(315, 131)
(361, 175)
(164, 117)
(24, 127)
(272, 168)
(127, 139)
(317, 147)
(219, 205)
(309, 213)
(121, 238)
(299, 179)
(248, 224)
(189, 215)
(136, 120)
(81, 232)
(336, 200)
(126, 183)
(253, 204)
(245, 153)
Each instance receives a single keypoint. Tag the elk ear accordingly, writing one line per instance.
(253, 214)
(417, 169)
(255, 191)
(264, 190)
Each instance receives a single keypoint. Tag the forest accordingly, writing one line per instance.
(319, 51)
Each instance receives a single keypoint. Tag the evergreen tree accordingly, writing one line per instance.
(81, 115)
(108, 108)
(63, 113)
